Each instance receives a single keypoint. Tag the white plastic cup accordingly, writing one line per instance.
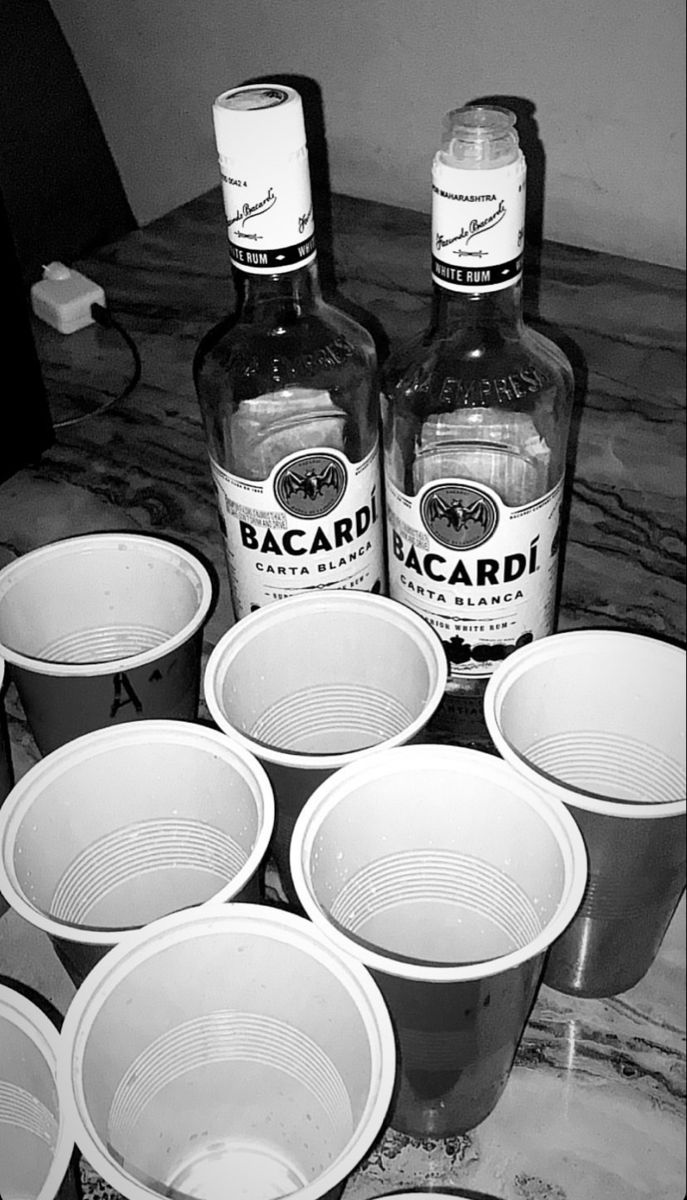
(6, 772)
(227, 1051)
(103, 628)
(130, 823)
(36, 1147)
(595, 719)
(317, 680)
(448, 877)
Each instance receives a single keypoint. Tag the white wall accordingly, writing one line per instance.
(606, 78)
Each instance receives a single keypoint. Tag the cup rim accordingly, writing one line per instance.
(567, 644)
(163, 732)
(138, 947)
(84, 542)
(240, 634)
(28, 1017)
(426, 757)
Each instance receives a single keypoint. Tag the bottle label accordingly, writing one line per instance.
(269, 213)
(478, 226)
(483, 574)
(314, 522)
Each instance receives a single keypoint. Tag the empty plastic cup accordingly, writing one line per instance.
(36, 1149)
(127, 824)
(448, 877)
(103, 628)
(231, 1051)
(6, 773)
(596, 719)
(315, 681)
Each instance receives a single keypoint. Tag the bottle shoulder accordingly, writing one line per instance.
(290, 325)
(492, 403)
(307, 377)
(320, 343)
(473, 366)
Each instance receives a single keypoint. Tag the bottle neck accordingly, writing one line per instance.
(478, 222)
(501, 309)
(265, 297)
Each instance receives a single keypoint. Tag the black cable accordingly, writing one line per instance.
(103, 317)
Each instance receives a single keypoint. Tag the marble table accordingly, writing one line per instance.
(595, 1106)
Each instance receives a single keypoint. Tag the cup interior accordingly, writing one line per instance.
(6, 770)
(99, 599)
(32, 1154)
(227, 1054)
(330, 676)
(128, 824)
(429, 859)
(600, 712)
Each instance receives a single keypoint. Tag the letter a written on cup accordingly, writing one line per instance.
(124, 694)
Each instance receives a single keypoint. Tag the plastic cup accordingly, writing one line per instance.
(229, 1051)
(316, 681)
(36, 1147)
(448, 877)
(596, 719)
(103, 628)
(6, 773)
(126, 824)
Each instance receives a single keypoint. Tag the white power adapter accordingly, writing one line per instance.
(64, 298)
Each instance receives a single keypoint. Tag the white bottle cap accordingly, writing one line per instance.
(263, 158)
(260, 120)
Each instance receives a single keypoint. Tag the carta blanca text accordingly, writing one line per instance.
(460, 601)
(330, 564)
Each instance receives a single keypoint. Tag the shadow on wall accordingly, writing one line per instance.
(530, 142)
(535, 157)
(61, 188)
(318, 155)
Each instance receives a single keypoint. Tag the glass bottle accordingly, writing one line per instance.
(476, 416)
(288, 385)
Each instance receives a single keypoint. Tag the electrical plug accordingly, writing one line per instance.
(64, 298)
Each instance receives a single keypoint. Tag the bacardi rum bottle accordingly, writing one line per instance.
(476, 418)
(288, 385)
